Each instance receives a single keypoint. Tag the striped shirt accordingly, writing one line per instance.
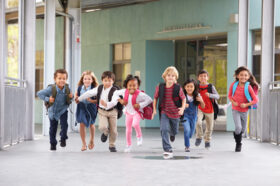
(168, 106)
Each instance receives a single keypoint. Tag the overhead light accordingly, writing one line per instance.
(222, 44)
(92, 10)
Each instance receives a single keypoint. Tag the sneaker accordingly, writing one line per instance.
(172, 138)
(104, 138)
(197, 142)
(139, 141)
(63, 143)
(207, 145)
(53, 147)
(127, 149)
(187, 149)
(168, 155)
(112, 149)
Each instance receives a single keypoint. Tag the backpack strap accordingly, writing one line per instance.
(99, 91)
(67, 92)
(54, 92)
(176, 95)
(126, 94)
(247, 94)
(234, 87)
(161, 90)
(209, 88)
(111, 92)
(134, 96)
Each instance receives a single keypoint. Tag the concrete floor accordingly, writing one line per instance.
(31, 163)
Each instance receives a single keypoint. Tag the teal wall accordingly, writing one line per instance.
(140, 24)
(59, 45)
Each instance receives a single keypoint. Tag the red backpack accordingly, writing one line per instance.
(147, 111)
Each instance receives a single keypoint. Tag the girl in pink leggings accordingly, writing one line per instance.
(134, 101)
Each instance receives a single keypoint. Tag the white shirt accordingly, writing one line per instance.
(190, 98)
(142, 99)
(93, 92)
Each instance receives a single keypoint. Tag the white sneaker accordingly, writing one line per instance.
(127, 149)
(139, 141)
(167, 155)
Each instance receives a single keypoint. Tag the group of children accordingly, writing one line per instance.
(187, 105)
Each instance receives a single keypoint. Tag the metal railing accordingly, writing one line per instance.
(255, 124)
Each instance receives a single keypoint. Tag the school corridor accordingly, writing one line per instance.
(31, 163)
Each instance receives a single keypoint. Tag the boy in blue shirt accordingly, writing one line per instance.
(57, 99)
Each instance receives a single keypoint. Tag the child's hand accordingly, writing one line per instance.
(187, 105)
(91, 100)
(207, 94)
(51, 100)
(181, 111)
(154, 113)
(235, 103)
(103, 103)
(122, 101)
(70, 95)
(243, 105)
(136, 106)
(77, 100)
(199, 99)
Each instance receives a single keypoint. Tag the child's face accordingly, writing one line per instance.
(243, 76)
(132, 86)
(87, 80)
(60, 79)
(107, 82)
(189, 88)
(170, 78)
(203, 78)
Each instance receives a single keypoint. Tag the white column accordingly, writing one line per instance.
(29, 48)
(2, 71)
(243, 32)
(267, 60)
(49, 53)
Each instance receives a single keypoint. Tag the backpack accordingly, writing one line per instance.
(175, 95)
(119, 106)
(54, 92)
(147, 111)
(247, 94)
(213, 101)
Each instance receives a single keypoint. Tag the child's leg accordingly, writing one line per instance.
(199, 129)
(113, 117)
(64, 126)
(244, 118)
(136, 125)
(165, 130)
(187, 132)
(52, 132)
(209, 126)
(174, 126)
(128, 124)
(237, 121)
(83, 133)
(91, 139)
(192, 127)
(103, 121)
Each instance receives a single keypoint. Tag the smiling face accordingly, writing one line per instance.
(60, 80)
(87, 80)
(243, 76)
(203, 78)
(170, 78)
(107, 82)
(132, 86)
(189, 88)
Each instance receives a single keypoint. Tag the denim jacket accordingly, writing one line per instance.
(59, 107)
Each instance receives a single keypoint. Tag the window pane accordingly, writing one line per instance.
(257, 67)
(277, 68)
(118, 52)
(121, 71)
(258, 41)
(12, 3)
(127, 51)
(13, 51)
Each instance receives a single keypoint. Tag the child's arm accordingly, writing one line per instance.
(88, 94)
(214, 94)
(144, 101)
(45, 94)
(183, 97)
(254, 99)
(201, 102)
(155, 102)
(115, 99)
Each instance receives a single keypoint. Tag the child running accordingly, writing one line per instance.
(171, 105)
(190, 114)
(134, 101)
(242, 96)
(87, 109)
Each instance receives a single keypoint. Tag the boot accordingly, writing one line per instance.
(238, 139)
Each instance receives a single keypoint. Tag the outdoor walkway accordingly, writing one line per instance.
(257, 164)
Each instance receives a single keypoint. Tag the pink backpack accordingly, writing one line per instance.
(147, 111)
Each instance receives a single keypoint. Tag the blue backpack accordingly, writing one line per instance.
(247, 94)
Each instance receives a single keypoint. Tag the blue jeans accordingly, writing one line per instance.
(168, 126)
(189, 128)
(53, 128)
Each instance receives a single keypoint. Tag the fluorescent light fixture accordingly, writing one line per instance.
(92, 10)
(222, 44)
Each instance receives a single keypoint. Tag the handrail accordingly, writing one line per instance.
(272, 85)
(22, 83)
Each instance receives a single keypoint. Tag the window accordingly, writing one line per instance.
(39, 72)
(121, 62)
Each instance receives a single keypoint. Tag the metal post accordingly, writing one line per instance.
(29, 45)
(2, 71)
(267, 60)
(243, 32)
(49, 53)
